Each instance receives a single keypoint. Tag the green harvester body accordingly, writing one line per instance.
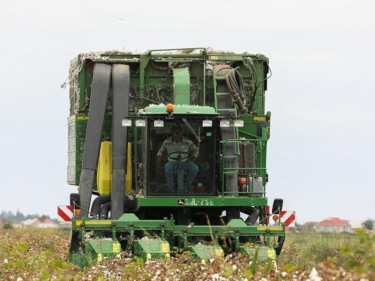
(122, 107)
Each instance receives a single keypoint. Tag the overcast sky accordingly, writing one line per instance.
(321, 94)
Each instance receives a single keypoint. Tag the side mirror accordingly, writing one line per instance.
(75, 200)
(277, 205)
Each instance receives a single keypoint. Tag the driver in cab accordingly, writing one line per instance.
(181, 153)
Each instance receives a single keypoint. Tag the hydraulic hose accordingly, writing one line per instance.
(235, 85)
(105, 205)
(104, 211)
(98, 202)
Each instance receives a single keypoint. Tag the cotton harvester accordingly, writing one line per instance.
(134, 201)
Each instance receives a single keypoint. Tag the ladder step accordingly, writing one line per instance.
(227, 109)
(220, 78)
(223, 94)
(230, 156)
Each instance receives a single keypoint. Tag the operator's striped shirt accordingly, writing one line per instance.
(186, 146)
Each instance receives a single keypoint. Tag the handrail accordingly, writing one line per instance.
(259, 171)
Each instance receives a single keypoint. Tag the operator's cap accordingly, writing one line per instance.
(176, 128)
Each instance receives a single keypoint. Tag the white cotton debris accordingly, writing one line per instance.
(314, 276)
(217, 277)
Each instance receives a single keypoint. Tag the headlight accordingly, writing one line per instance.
(126, 122)
(238, 123)
(140, 123)
(159, 123)
(207, 123)
(224, 123)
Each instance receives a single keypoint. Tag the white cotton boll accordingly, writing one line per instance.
(314, 276)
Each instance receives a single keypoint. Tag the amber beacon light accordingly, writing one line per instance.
(169, 108)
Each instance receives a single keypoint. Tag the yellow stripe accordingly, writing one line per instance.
(79, 222)
(271, 228)
(98, 222)
(259, 118)
(82, 118)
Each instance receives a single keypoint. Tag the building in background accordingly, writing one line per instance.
(41, 223)
(333, 225)
(356, 224)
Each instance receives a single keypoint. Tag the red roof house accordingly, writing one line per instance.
(333, 225)
(39, 223)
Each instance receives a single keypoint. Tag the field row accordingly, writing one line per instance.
(42, 254)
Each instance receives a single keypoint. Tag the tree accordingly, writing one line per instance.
(8, 225)
(368, 224)
(307, 227)
(19, 216)
(43, 218)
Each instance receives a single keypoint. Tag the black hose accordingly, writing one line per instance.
(98, 202)
(236, 86)
(106, 206)
(257, 86)
(104, 211)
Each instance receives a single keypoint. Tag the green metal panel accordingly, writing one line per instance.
(151, 248)
(76, 136)
(104, 247)
(197, 201)
(181, 85)
(262, 253)
(206, 251)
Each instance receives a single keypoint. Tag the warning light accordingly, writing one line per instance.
(242, 180)
(275, 218)
(77, 212)
(169, 108)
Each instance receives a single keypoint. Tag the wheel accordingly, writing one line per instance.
(179, 156)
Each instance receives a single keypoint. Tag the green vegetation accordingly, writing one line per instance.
(307, 250)
(361, 257)
(8, 225)
(42, 254)
(368, 224)
(340, 255)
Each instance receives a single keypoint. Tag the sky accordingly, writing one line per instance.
(321, 93)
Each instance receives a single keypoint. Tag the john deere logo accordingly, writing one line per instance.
(181, 202)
